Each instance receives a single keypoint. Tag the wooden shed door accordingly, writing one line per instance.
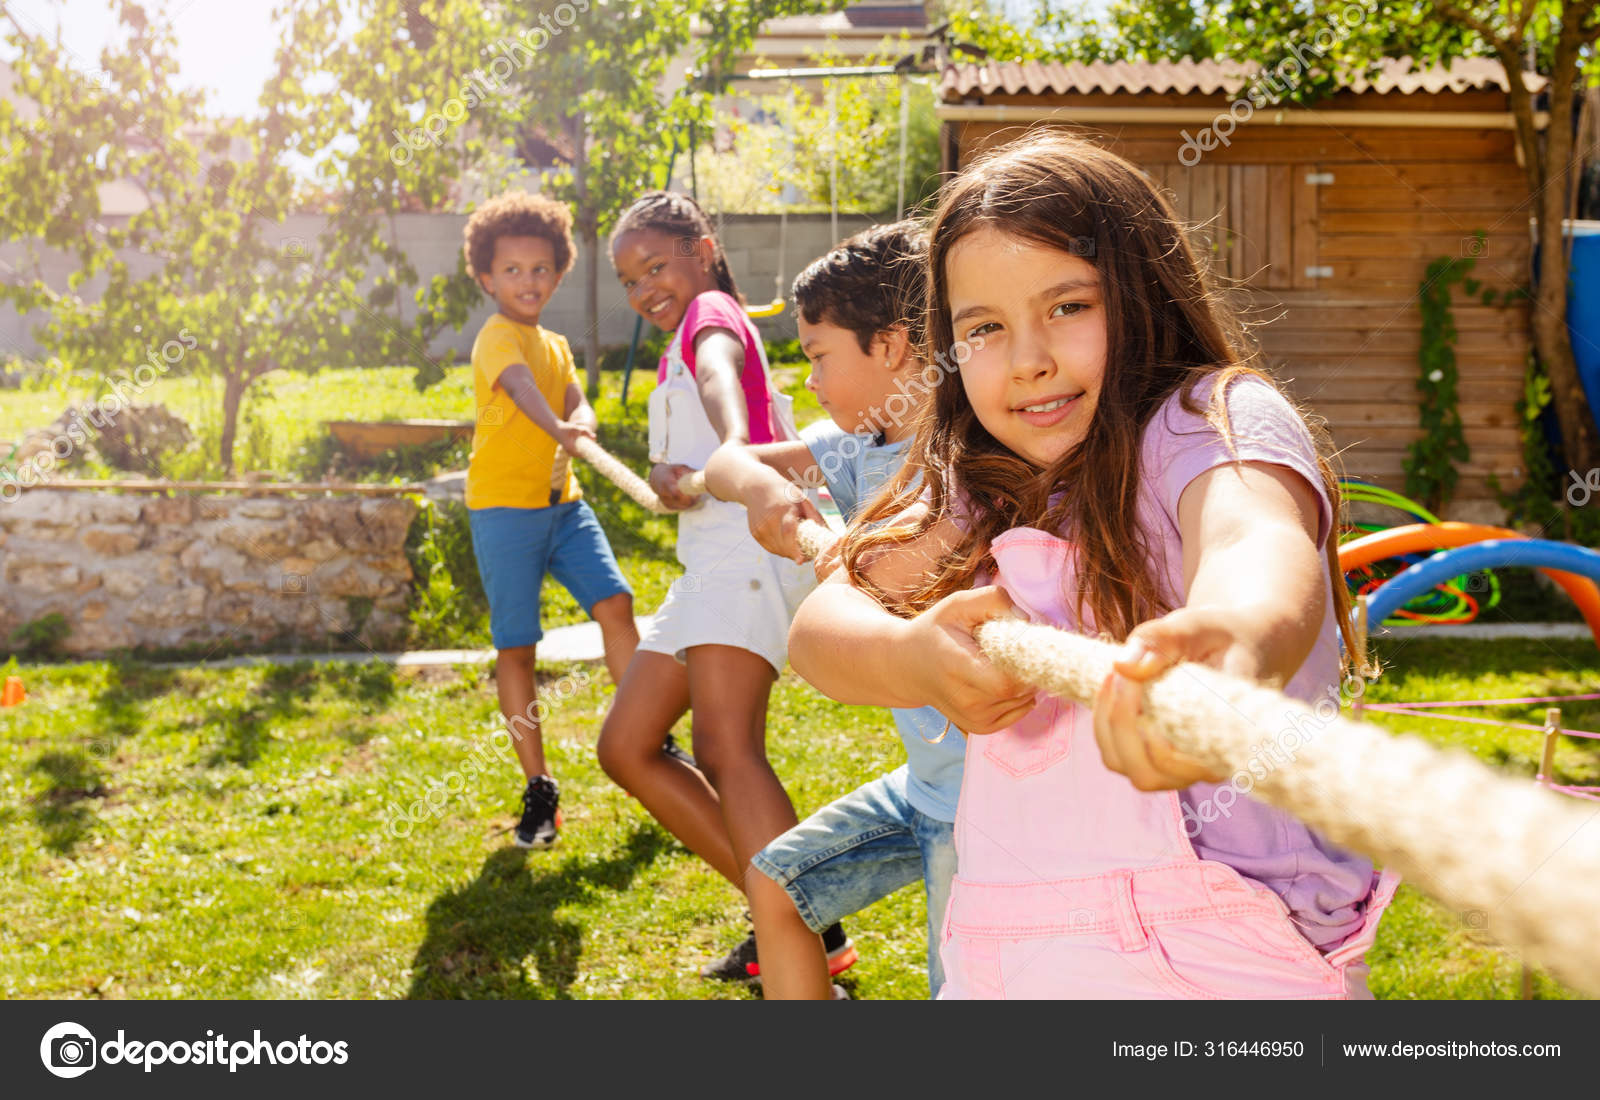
(1259, 221)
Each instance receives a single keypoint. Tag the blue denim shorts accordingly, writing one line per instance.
(859, 849)
(516, 547)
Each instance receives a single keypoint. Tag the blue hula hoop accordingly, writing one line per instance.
(1493, 554)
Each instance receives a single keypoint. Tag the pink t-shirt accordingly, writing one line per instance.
(1324, 887)
(715, 309)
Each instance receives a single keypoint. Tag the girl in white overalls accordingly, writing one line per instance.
(717, 643)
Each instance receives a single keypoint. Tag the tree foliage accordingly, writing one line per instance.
(606, 84)
(210, 264)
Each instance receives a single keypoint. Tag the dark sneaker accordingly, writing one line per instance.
(671, 749)
(541, 821)
(734, 966)
(741, 965)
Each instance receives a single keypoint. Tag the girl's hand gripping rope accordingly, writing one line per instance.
(1205, 636)
(953, 675)
(664, 478)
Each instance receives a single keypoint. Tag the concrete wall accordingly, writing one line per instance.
(127, 570)
(432, 242)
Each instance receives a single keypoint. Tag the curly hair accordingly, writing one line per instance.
(869, 283)
(517, 214)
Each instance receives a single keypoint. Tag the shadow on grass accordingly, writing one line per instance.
(479, 936)
(372, 684)
(64, 812)
(129, 683)
(246, 727)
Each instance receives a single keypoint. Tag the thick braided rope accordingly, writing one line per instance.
(1475, 839)
(614, 471)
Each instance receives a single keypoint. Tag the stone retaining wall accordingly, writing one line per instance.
(132, 570)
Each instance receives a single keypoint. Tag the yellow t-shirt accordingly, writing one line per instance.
(515, 464)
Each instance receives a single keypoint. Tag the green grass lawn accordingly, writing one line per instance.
(206, 833)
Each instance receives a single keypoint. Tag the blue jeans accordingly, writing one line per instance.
(862, 848)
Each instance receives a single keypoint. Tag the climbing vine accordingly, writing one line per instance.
(1432, 463)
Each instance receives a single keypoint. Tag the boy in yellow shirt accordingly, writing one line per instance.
(527, 510)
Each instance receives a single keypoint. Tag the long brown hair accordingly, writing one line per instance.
(1167, 330)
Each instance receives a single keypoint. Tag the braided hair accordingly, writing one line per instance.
(678, 216)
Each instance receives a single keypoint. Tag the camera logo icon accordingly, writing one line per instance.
(491, 416)
(294, 584)
(68, 1050)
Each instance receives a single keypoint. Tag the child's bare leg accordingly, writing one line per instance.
(794, 966)
(619, 635)
(653, 694)
(730, 687)
(517, 685)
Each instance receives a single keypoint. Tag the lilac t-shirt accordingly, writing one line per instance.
(1324, 887)
(715, 309)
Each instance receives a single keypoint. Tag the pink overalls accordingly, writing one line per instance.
(1074, 884)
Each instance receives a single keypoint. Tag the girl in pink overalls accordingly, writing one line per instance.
(1101, 459)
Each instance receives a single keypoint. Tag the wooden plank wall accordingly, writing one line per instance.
(1327, 271)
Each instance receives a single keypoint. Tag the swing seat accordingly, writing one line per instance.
(771, 309)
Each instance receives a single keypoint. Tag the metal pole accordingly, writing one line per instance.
(833, 168)
(905, 116)
(1358, 704)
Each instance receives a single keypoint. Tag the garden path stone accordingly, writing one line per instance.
(564, 644)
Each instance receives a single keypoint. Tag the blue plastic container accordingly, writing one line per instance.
(1583, 307)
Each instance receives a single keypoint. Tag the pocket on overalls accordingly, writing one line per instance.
(660, 407)
(1246, 948)
(1040, 740)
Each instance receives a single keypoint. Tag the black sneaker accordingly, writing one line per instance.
(741, 964)
(541, 821)
(734, 966)
(671, 749)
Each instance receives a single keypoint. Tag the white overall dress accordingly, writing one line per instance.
(732, 591)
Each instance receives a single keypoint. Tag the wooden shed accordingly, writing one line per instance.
(1326, 219)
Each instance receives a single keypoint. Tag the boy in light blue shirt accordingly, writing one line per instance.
(859, 313)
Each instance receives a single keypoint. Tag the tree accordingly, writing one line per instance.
(601, 83)
(1559, 38)
(206, 277)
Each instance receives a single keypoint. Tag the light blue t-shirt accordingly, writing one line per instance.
(856, 467)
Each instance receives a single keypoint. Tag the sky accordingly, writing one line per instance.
(225, 46)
